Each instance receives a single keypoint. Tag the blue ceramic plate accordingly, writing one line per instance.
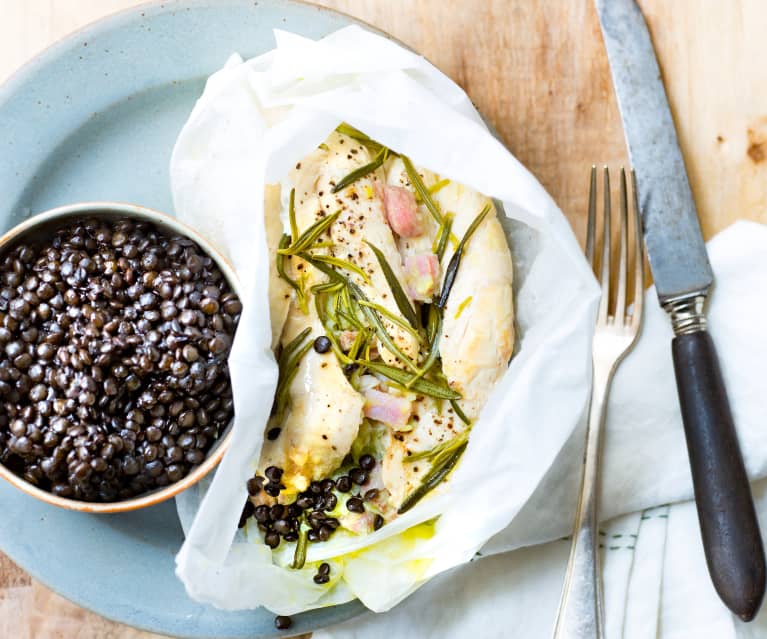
(95, 118)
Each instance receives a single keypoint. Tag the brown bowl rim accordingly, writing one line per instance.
(135, 211)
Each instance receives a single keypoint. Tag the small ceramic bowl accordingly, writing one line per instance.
(41, 226)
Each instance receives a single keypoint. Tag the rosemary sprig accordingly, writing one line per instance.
(436, 453)
(362, 171)
(391, 317)
(283, 388)
(288, 365)
(327, 287)
(289, 349)
(335, 276)
(436, 333)
(443, 234)
(292, 217)
(307, 238)
(434, 323)
(370, 314)
(421, 190)
(349, 131)
(360, 341)
(430, 480)
(298, 288)
(341, 263)
(400, 297)
(422, 386)
(299, 557)
(351, 320)
(438, 186)
(329, 332)
(460, 413)
(455, 261)
(385, 339)
(346, 298)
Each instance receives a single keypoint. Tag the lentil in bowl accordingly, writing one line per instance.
(115, 327)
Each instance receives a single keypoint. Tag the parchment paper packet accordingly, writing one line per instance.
(253, 122)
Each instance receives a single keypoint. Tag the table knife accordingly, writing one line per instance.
(683, 280)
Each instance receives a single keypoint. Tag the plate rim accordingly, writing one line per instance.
(53, 49)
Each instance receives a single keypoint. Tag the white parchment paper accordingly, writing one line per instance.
(253, 122)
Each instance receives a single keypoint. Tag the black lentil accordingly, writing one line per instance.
(305, 501)
(283, 521)
(272, 539)
(282, 622)
(277, 511)
(329, 502)
(322, 344)
(247, 512)
(254, 486)
(101, 373)
(367, 462)
(358, 476)
(272, 489)
(316, 487)
(273, 473)
(282, 526)
(355, 505)
(344, 484)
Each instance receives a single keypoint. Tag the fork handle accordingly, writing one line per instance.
(728, 524)
(581, 614)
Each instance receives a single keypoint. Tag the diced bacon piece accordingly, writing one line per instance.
(389, 409)
(346, 339)
(402, 212)
(423, 275)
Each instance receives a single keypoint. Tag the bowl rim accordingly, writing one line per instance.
(124, 209)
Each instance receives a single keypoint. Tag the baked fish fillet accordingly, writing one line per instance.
(362, 220)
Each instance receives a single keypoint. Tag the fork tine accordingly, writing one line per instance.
(592, 218)
(605, 280)
(620, 300)
(636, 318)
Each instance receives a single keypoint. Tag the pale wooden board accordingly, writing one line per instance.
(538, 71)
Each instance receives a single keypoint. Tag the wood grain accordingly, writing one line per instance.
(539, 73)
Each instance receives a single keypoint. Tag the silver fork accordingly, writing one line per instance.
(581, 613)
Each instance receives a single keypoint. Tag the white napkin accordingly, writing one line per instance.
(254, 121)
(656, 581)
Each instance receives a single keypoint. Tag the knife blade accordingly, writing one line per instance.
(675, 247)
(683, 278)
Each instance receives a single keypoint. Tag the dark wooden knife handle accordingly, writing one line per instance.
(728, 523)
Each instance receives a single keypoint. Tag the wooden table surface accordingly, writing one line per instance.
(538, 71)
